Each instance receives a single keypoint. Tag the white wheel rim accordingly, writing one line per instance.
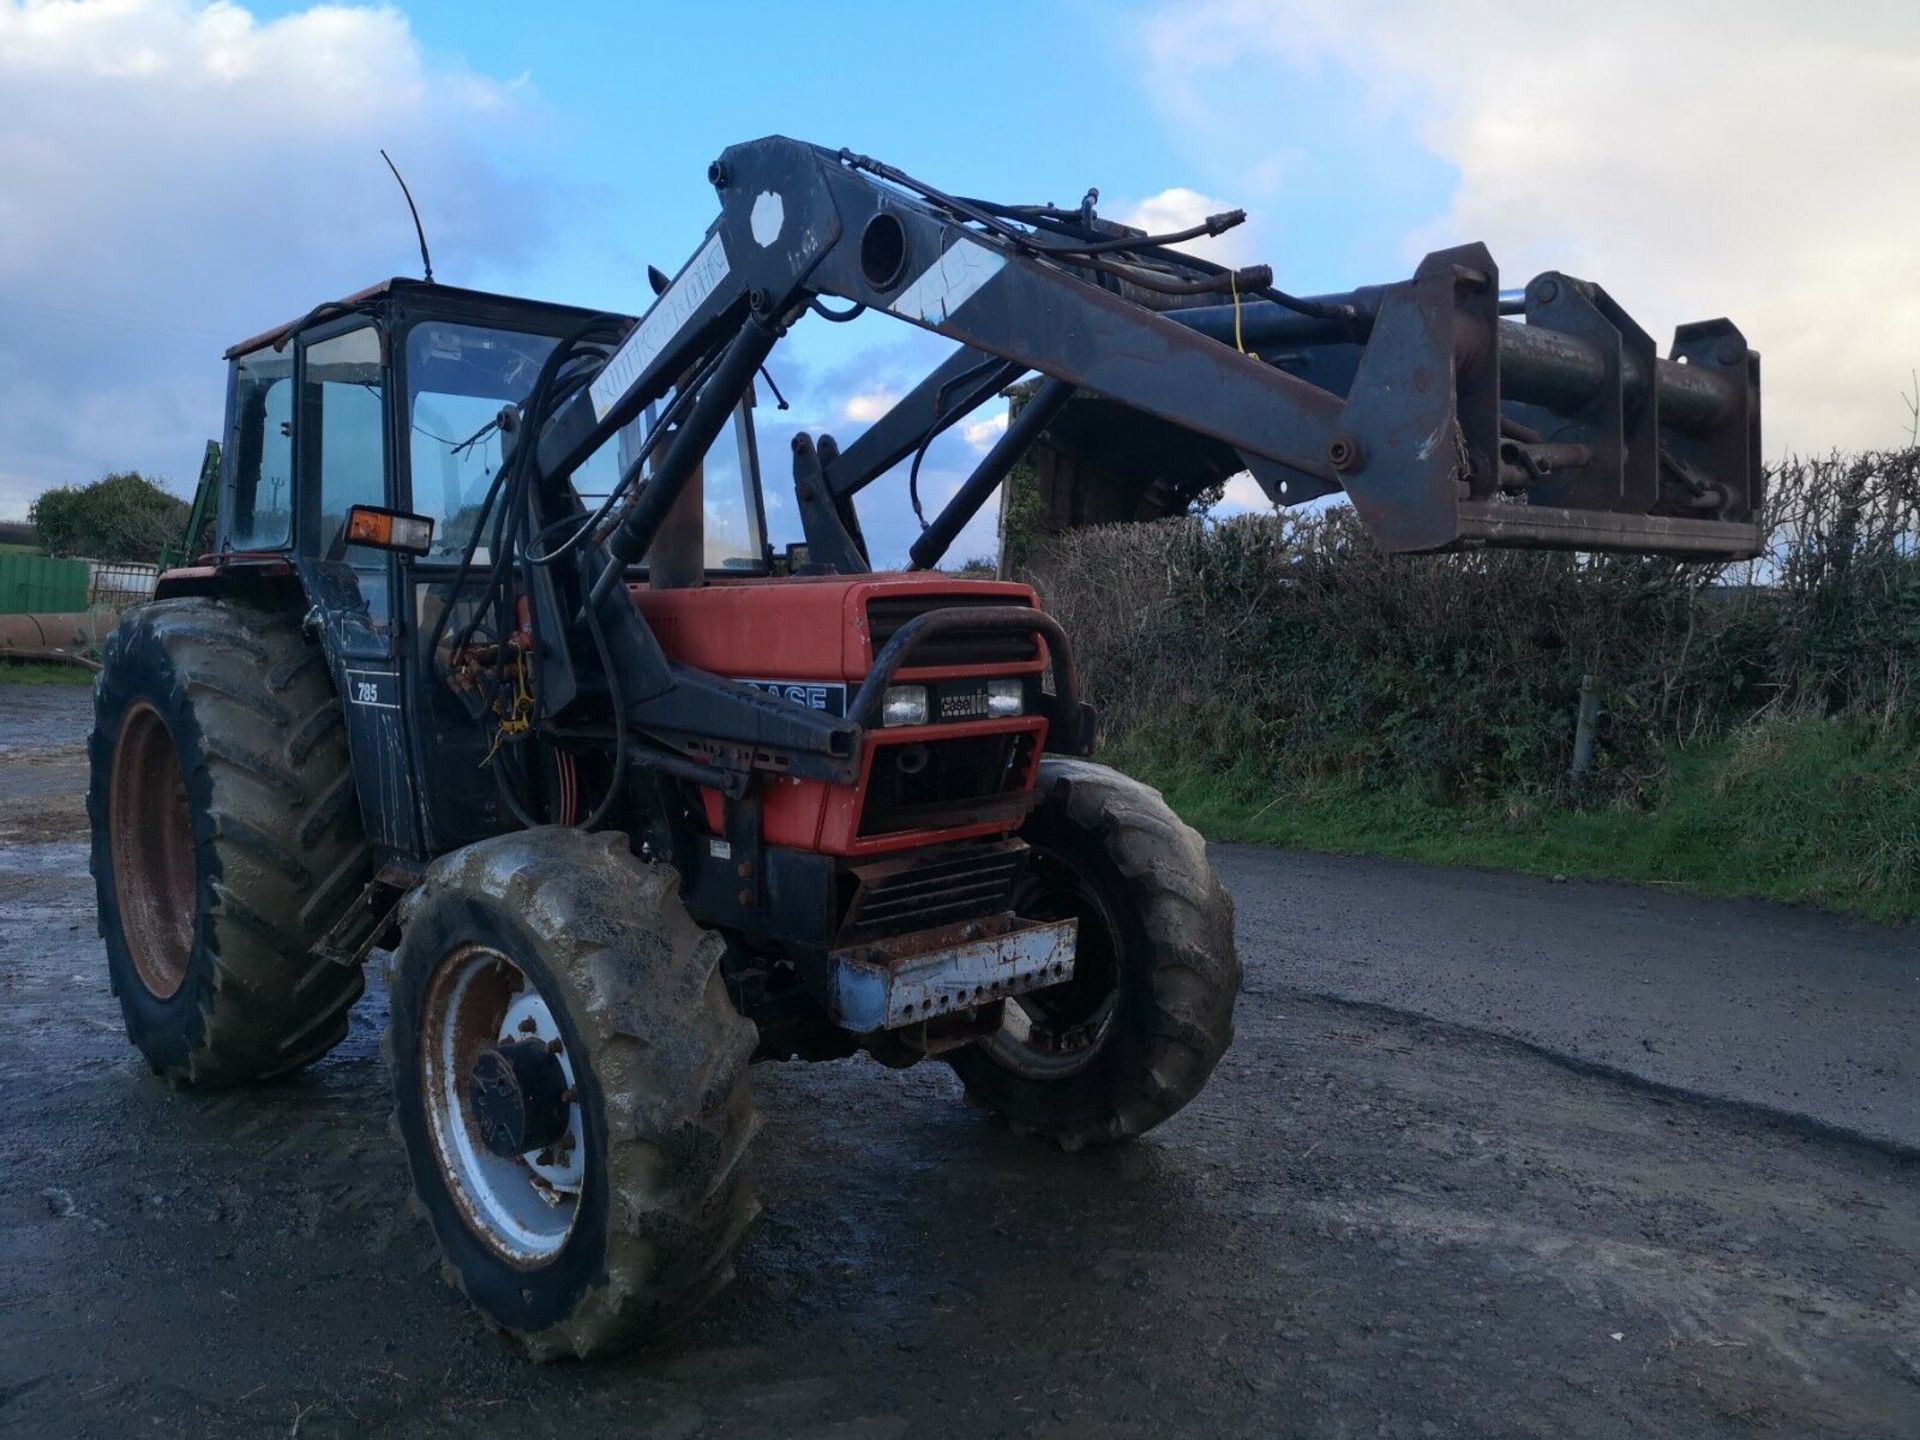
(523, 1207)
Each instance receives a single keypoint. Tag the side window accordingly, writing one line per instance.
(258, 508)
(343, 444)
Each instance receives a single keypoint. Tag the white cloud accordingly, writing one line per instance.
(1754, 160)
(1243, 495)
(1179, 208)
(175, 176)
(868, 406)
(981, 434)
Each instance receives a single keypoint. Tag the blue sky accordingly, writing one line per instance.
(625, 105)
(1017, 100)
(178, 174)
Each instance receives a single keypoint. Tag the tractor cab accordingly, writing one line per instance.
(391, 401)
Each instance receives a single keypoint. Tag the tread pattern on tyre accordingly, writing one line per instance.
(1194, 975)
(642, 979)
(277, 835)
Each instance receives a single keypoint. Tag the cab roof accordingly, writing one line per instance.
(379, 293)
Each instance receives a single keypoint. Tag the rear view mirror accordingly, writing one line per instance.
(389, 529)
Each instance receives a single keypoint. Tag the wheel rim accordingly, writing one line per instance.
(523, 1207)
(1059, 1030)
(150, 833)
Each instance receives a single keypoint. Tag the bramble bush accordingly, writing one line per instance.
(1289, 648)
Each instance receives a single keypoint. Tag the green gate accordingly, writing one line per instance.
(39, 585)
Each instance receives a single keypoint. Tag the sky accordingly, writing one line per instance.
(176, 175)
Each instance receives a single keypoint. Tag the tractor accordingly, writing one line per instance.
(491, 670)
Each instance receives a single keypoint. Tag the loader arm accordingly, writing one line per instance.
(1446, 424)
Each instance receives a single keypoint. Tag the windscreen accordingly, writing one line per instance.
(458, 378)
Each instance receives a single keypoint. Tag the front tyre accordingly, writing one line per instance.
(1133, 1036)
(570, 1083)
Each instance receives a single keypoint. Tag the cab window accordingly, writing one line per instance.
(343, 446)
(258, 508)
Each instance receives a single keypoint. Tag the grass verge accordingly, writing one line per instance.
(1804, 810)
(34, 672)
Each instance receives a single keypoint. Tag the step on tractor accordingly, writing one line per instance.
(493, 667)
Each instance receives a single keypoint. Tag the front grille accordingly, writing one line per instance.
(964, 780)
(886, 614)
(923, 889)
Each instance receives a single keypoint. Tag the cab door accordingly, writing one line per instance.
(343, 458)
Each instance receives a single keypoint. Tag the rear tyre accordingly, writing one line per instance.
(1149, 1012)
(570, 1083)
(226, 840)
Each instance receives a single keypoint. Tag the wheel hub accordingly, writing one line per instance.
(502, 1104)
(520, 1097)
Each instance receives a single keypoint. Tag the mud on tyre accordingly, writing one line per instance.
(1133, 1036)
(226, 839)
(550, 961)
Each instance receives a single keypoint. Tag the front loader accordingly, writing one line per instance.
(492, 664)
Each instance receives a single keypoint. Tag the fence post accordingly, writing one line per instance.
(1586, 725)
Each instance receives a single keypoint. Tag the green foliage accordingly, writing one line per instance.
(1022, 520)
(123, 516)
(1425, 705)
(33, 672)
(1805, 809)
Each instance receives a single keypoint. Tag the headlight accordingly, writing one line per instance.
(904, 705)
(1006, 697)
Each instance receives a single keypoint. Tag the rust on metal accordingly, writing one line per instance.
(151, 835)
(62, 639)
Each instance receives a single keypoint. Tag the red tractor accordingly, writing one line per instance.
(492, 663)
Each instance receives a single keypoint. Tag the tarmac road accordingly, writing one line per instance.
(1373, 1223)
(1789, 1009)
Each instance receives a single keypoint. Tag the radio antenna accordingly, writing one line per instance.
(426, 260)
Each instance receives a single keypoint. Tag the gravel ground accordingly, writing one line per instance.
(1373, 1223)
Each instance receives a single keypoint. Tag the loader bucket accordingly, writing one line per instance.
(1542, 419)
